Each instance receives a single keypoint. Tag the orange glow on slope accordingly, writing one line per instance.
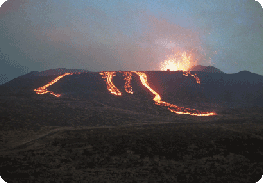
(171, 107)
(108, 75)
(173, 63)
(110, 86)
(187, 73)
(128, 78)
(43, 89)
(177, 62)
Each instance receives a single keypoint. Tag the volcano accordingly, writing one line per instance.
(243, 89)
(137, 122)
(210, 69)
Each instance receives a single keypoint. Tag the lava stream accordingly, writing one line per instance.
(110, 86)
(43, 89)
(128, 78)
(171, 107)
(187, 73)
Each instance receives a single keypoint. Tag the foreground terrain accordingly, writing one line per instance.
(47, 139)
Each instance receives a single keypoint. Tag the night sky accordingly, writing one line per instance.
(37, 35)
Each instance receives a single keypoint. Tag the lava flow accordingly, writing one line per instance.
(110, 86)
(127, 86)
(43, 89)
(187, 73)
(171, 107)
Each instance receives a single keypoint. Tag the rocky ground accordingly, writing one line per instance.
(47, 139)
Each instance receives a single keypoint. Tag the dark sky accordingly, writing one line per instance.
(37, 35)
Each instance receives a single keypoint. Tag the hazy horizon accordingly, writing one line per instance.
(130, 35)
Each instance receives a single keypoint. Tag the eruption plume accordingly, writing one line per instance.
(178, 61)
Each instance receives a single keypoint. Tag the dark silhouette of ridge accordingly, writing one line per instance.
(197, 68)
(210, 69)
(243, 89)
(53, 72)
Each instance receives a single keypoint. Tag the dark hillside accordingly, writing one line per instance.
(243, 89)
(88, 134)
(210, 69)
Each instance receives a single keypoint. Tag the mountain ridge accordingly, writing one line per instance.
(210, 69)
(51, 72)
(243, 89)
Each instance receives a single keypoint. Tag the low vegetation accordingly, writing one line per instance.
(156, 153)
(48, 139)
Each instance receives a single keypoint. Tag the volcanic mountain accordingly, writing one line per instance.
(243, 89)
(210, 69)
(55, 72)
(74, 125)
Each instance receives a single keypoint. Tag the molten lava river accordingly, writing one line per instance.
(108, 76)
(43, 89)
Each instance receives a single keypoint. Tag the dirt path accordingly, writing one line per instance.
(28, 141)
(23, 143)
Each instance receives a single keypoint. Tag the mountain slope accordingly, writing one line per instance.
(210, 69)
(243, 89)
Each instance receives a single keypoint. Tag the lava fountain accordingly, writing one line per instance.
(177, 62)
(43, 89)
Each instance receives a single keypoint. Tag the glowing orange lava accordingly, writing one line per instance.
(108, 75)
(43, 89)
(128, 78)
(171, 107)
(177, 62)
(187, 73)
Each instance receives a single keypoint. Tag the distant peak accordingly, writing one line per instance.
(197, 68)
(57, 71)
(244, 71)
(210, 69)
